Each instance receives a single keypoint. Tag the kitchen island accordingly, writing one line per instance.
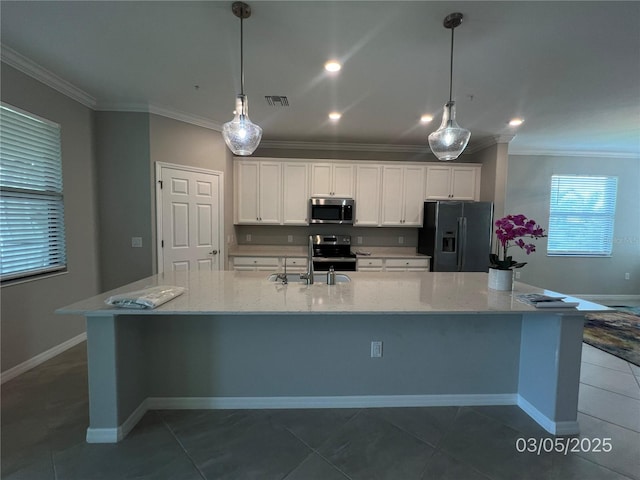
(237, 340)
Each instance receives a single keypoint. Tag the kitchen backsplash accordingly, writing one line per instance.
(282, 235)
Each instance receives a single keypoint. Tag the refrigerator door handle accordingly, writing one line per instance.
(461, 235)
(462, 242)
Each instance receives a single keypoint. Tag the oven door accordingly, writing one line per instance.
(340, 264)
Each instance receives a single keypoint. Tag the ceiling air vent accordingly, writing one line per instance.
(277, 100)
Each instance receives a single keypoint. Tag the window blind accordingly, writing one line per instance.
(581, 216)
(32, 235)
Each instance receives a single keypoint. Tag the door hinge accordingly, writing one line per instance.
(161, 183)
(161, 243)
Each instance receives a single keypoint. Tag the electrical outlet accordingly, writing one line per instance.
(248, 237)
(290, 238)
(627, 276)
(136, 242)
(376, 349)
(359, 240)
(401, 240)
(517, 275)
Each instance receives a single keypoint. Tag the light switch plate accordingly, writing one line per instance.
(136, 242)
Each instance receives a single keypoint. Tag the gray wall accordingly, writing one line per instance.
(29, 326)
(529, 181)
(173, 141)
(122, 150)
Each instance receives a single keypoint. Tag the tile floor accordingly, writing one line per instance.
(45, 415)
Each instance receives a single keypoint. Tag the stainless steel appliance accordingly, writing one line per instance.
(333, 251)
(457, 235)
(332, 210)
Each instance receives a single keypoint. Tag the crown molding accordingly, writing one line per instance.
(345, 147)
(161, 111)
(572, 153)
(32, 69)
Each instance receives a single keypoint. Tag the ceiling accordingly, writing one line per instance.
(570, 69)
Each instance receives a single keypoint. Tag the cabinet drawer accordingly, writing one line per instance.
(369, 262)
(407, 262)
(295, 264)
(256, 261)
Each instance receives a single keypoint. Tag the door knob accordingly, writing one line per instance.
(213, 252)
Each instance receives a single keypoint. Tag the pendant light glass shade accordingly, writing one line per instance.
(241, 135)
(448, 142)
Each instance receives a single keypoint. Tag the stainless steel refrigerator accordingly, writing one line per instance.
(457, 235)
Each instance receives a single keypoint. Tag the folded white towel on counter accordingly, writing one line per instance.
(151, 297)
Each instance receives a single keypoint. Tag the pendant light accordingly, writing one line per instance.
(241, 135)
(448, 142)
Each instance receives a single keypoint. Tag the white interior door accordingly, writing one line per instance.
(190, 217)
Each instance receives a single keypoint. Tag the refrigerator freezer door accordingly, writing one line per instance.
(447, 252)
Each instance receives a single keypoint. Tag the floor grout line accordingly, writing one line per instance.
(608, 421)
(195, 465)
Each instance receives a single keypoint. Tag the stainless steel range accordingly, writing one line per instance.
(333, 250)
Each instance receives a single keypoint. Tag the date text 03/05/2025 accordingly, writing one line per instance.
(564, 445)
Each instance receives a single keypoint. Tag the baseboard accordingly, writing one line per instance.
(611, 299)
(350, 401)
(113, 435)
(41, 358)
(553, 427)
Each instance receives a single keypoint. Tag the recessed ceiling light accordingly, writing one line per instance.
(516, 122)
(335, 116)
(332, 66)
(426, 118)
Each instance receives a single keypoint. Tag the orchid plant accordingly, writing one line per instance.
(512, 230)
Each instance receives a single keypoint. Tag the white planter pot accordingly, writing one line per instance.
(500, 279)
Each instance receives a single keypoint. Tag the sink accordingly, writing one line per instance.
(317, 278)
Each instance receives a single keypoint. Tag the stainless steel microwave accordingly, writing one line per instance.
(332, 210)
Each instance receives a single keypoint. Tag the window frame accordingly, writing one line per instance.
(603, 222)
(32, 197)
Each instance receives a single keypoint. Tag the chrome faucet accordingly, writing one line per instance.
(283, 276)
(308, 275)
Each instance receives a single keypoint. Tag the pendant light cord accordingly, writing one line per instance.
(451, 68)
(241, 56)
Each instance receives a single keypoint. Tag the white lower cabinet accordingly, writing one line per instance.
(269, 264)
(369, 264)
(253, 264)
(393, 264)
(294, 264)
(406, 265)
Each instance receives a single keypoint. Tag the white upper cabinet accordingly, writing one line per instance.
(332, 179)
(453, 182)
(402, 195)
(295, 189)
(258, 192)
(368, 184)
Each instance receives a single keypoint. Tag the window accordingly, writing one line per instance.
(581, 215)
(32, 237)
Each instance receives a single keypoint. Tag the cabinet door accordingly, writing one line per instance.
(392, 196)
(369, 264)
(463, 183)
(247, 176)
(438, 183)
(295, 205)
(413, 187)
(321, 179)
(343, 180)
(270, 196)
(368, 195)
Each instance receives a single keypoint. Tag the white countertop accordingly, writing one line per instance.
(230, 292)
